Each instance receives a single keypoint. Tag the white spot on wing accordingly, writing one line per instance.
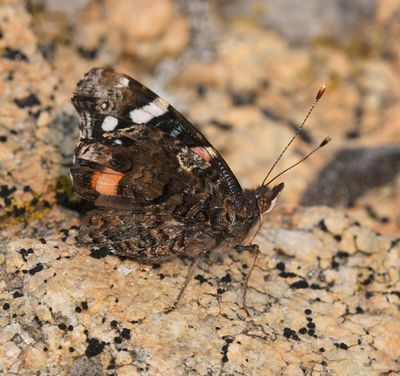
(211, 151)
(123, 81)
(154, 109)
(109, 123)
(140, 116)
(161, 102)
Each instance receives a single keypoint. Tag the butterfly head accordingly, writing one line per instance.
(266, 197)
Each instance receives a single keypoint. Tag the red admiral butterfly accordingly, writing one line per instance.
(160, 188)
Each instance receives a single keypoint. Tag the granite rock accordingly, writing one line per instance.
(324, 295)
(315, 18)
(317, 305)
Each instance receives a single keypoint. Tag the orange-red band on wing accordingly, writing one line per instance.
(106, 181)
(202, 153)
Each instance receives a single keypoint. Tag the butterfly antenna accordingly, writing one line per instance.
(321, 145)
(321, 92)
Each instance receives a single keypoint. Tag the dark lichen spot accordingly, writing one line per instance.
(280, 266)
(342, 254)
(17, 294)
(202, 90)
(5, 191)
(88, 53)
(62, 326)
(6, 306)
(290, 333)
(100, 252)
(200, 278)
(25, 253)
(3, 138)
(14, 54)
(126, 333)
(352, 133)
(29, 101)
(287, 275)
(299, 285)
(38, 268)
(334, 264)
(228, 341)
(322, 226)
(95, 347)
(343, 346)
(226, 278)
(243, 98)
(118, 339)
(303, 330)
(359, 310)
(34, 201)
(368, 280)
(308, 311)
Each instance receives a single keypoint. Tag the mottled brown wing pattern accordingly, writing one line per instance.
(161, 189)
(110, 103)
(146, 237)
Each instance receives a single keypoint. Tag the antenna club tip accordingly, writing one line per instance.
(321, 92)
(325, 141)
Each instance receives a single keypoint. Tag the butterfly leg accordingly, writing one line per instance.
(188, 277)
(255, 250)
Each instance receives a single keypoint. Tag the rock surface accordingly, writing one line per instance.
(246, 89)
(324, 296)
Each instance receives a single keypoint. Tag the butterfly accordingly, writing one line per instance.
(159, 187)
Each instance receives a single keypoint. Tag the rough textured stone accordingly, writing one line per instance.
(314, 18)
(248, 116)
(314, 303)
(324, 295)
